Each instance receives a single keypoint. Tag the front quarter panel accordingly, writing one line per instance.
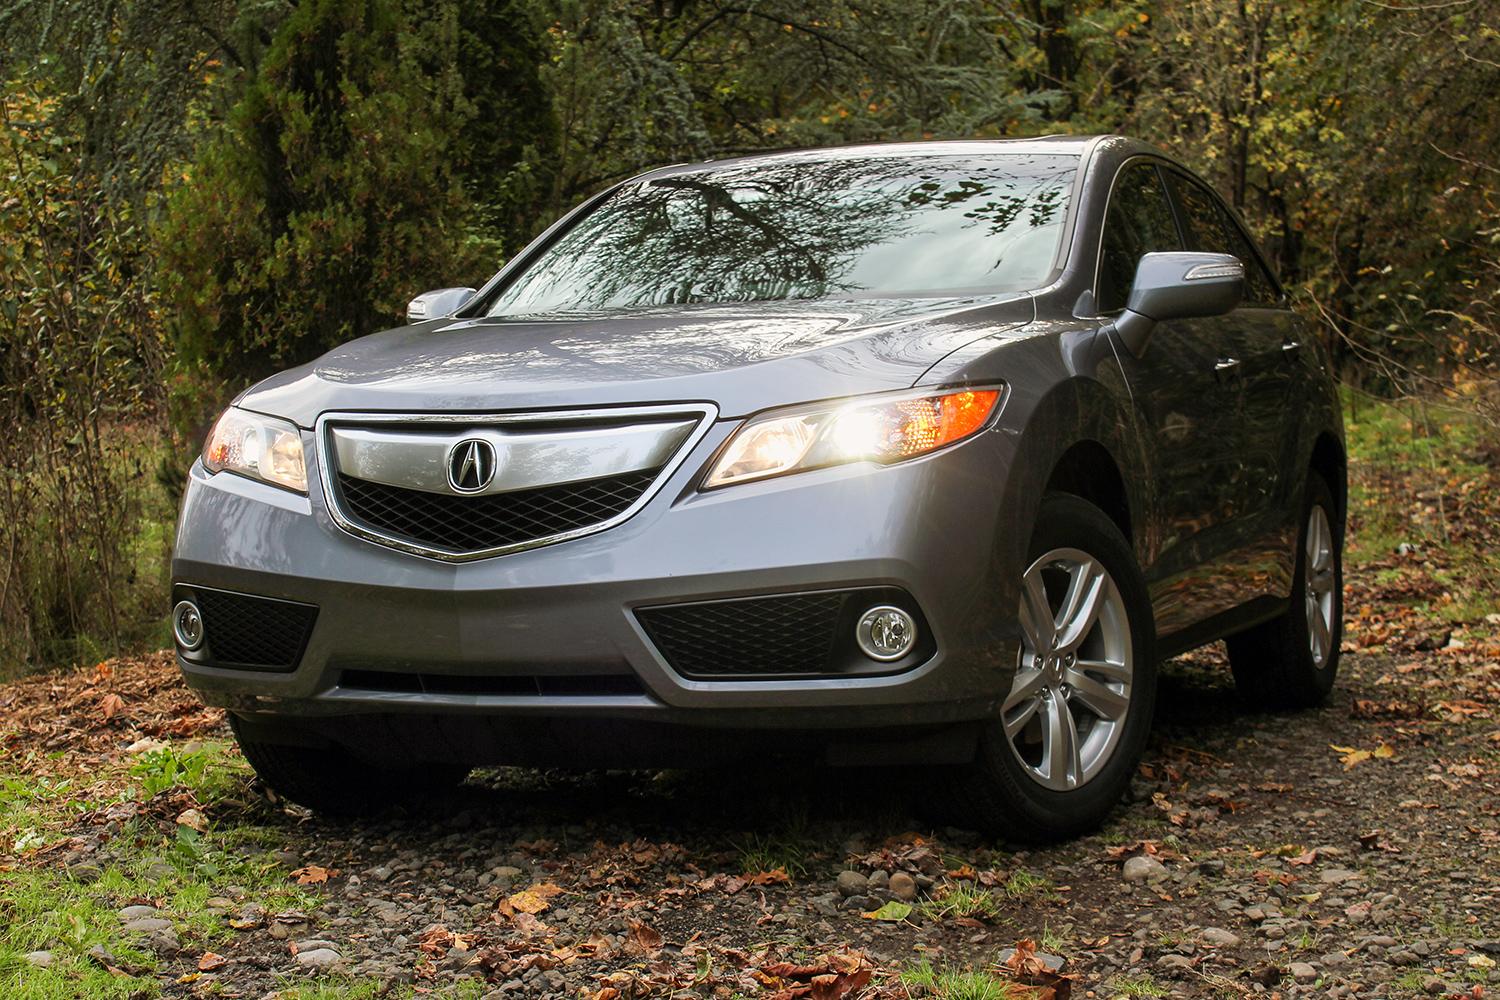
(1066, 387)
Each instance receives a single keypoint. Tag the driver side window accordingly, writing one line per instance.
(1139, 222)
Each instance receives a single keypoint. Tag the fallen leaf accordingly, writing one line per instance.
(1375, 841)
(210, 961)
(1364, 708)
(831, 977)
(436, 941)
(597, 946)
(642, 939)
(1023, 962)
(314, 874)
(895, 910)
(775, 876)
(193, 819)
(529, 925)
(111, 705)
(533, 899)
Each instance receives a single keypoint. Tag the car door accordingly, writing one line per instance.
(1187, 409)
(1266, 339)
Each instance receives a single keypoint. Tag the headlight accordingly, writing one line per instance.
(263, 448)
(884, 430)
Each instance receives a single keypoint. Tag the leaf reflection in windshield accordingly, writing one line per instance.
(802, 228)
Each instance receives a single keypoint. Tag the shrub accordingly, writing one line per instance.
(327, 200)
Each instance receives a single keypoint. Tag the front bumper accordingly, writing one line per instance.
(932, 528)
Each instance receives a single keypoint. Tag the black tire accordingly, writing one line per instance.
(995, 793)
(1273, 663)
(333, 782)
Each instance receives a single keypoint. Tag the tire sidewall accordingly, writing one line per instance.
(1066, 521)
(1320, 679)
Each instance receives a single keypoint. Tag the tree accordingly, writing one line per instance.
(331, 195)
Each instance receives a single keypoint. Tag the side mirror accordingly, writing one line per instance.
(1179, 285)
(437, 304)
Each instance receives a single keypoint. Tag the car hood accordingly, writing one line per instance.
(742, 358)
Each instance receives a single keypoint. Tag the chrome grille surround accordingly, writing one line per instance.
(694, 419)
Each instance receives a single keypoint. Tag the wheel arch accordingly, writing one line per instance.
(1077, 439)
(1329, 461)
(1088, 471)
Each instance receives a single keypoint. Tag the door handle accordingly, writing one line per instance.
(1226, 364)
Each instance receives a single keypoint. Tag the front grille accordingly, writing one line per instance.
(575, 685)
(759, 636)
(244, 631)
(490, 521)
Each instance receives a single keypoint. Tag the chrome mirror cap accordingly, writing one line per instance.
(437, 303)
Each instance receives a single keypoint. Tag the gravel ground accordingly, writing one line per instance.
(1346, 852)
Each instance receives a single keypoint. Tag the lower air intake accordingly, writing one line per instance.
(259, 633)
(784, 635)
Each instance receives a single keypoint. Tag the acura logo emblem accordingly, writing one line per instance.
(471, 465)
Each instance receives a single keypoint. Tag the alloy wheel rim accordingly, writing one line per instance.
(1321, 579)
(1071, 694)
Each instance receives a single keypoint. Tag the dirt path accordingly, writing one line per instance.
(1270, 861)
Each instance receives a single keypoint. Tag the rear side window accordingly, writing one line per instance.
(1139, 222)
(1212, 229)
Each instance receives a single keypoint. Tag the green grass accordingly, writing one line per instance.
(1170, 940)
(208, 771)
(70, 911)
(1410, 980)
(1417, 449)
(961, 901)
(952, 984)
(1055, 942)
(1022, 884)
(1139, 986)
(1403, 457)
(1454, 927)
(44, 908)
(790, 850)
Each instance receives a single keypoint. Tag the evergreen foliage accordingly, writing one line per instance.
(196, 193)
(329, 195)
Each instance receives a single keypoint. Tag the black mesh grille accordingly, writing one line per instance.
(474, 523)
(240, 630)
(760, 636)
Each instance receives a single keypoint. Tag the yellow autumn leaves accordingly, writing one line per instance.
(1352, 756)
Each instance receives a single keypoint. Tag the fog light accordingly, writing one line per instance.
(885, 633)
(187, 625)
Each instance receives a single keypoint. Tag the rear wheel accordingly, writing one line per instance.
(1073, 726)
(1291, 661)
(333, 782)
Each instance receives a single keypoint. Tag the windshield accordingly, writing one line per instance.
(808, 229)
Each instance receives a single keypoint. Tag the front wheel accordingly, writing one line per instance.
(1074, 724)
(1291, 661)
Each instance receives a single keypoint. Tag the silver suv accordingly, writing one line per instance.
(888, 454)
